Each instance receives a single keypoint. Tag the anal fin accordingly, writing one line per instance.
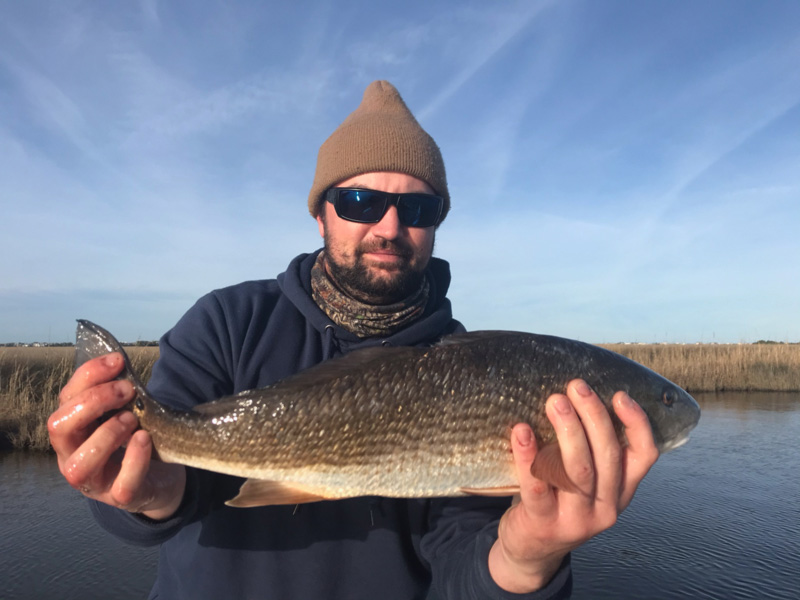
(258, 492)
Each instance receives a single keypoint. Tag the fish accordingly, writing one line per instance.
(402, 422)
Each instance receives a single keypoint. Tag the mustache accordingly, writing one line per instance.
(392, 246)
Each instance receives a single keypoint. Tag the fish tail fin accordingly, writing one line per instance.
(548, 466)
(92, 341)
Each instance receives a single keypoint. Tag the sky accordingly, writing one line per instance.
(619, 170)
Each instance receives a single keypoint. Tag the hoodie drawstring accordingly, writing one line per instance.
(329, 345)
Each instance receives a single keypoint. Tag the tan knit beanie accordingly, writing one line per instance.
(380, 135)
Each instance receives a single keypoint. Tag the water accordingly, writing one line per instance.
(718, 518)
(50, 546)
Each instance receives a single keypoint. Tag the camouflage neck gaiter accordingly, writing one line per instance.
(364, 320)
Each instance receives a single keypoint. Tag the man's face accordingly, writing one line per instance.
(377, 263)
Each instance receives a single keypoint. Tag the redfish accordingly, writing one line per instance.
(397, 422)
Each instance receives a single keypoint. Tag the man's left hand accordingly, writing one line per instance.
(536, 533)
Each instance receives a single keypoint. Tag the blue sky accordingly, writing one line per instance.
(620, 170)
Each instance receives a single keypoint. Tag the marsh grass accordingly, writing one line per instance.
(31, 378)
(30, 381)
(721, 367)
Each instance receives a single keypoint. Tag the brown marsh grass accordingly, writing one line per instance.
(31, 378)
(721, 367)
(30, 381)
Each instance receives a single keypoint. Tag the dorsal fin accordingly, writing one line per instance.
(474, 336)
(353, 363)
(322, 374)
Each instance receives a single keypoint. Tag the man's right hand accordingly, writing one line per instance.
(111, 461)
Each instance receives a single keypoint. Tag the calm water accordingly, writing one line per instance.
(718, 518)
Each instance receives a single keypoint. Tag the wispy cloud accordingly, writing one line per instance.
(150, 11)
(488, 32)
(47, 105)
(198, 112)
(618, 170)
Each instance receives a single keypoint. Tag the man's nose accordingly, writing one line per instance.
(389, 226)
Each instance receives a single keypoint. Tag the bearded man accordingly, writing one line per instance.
(378, 196)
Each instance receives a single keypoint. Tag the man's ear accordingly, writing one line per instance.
(321, 222)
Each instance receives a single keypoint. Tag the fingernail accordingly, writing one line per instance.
(111, 360)
(127, 418)
(626, 401)
(583, 389)
(563, 406)
(524, 436)
(123, 389)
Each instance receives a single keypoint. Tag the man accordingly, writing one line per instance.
(378, 196)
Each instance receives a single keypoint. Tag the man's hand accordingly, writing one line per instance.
(92, 455)
(536, 533)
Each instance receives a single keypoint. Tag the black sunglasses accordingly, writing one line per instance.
(368, 206)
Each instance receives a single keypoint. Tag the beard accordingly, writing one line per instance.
(378, 283)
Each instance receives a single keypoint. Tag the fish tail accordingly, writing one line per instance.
(92, 341)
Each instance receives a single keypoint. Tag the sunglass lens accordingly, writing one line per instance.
(419, 210)
(362, 206)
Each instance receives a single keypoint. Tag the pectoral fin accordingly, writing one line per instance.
(508, 490)
(549, 467)
(257, 492)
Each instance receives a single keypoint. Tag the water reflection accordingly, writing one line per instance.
(747, 402)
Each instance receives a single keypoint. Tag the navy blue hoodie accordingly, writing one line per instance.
(254, 334)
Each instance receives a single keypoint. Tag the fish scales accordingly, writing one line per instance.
(389, 409)
(405, 421)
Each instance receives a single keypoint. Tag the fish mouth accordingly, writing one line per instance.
(674, 443)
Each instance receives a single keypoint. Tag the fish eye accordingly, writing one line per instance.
(139, 404)
(668, 397)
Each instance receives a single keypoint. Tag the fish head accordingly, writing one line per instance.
(672, 412)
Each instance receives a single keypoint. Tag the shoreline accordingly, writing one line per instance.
(32, 377)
